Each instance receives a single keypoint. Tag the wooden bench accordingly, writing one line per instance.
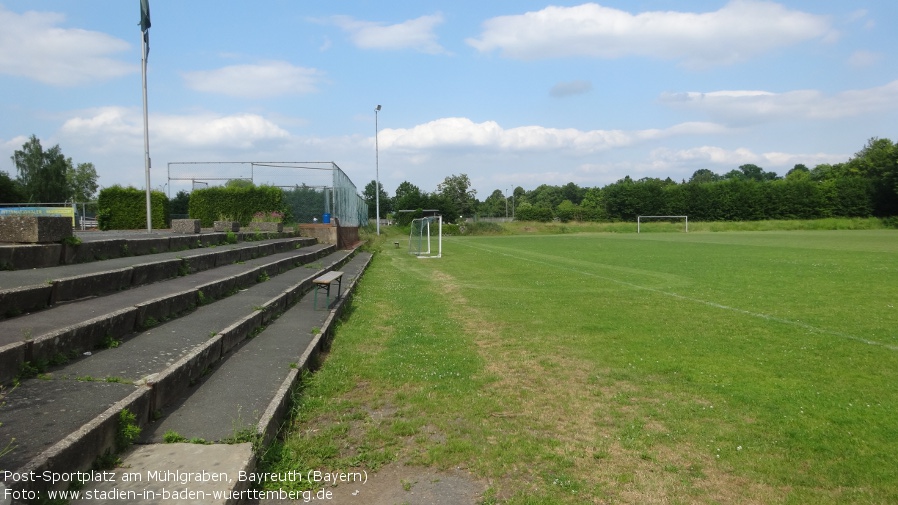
(324, 282)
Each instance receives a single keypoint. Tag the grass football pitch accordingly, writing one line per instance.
(739, 367)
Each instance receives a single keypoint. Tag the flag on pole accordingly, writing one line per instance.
(145, 25)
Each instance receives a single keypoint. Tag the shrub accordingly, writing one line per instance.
(122, 208)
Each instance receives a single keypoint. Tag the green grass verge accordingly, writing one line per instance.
(754, 367)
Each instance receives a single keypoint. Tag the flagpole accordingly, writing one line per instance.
(146, 132)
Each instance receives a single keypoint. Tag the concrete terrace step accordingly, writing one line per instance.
(163, 367)
(67, 330)
(104, 245)
(234, 398)
(23, 291)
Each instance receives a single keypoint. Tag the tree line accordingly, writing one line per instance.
(866, 185)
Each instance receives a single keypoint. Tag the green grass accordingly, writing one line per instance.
(731, 367)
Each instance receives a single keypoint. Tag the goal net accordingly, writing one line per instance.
(425, 240)
(640, 219)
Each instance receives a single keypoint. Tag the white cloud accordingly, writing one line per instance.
(728, 159)
(740, 30)
(417, 34)
(563, 89)
(32, 45)
(112, 128)
(861, 59)
(451, 133)
(266, 79)
(756, 106)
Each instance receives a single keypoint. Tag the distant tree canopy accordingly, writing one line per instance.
(864, 186)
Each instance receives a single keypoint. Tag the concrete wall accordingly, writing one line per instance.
(325, 233)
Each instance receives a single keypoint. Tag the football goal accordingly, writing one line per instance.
(425, 240)
(639, 220)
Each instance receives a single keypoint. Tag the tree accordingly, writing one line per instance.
(572, 192)
(42, 174)
(878, 162)
(180, 204)
(409, 197)
(704, 175)
(546, 196)
(10, 191)
(370, 197)
(495, 205)
(82, 181)
(457, 192)
(798, 173)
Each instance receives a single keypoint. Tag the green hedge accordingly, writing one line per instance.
(236, 203)
(121, 208)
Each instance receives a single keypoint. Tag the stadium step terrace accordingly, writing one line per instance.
(220, 368)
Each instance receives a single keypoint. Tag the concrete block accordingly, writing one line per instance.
(34, 229)
(324, 233)
(224, 226)
(185, 225)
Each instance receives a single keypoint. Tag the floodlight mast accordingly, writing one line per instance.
(376, 170)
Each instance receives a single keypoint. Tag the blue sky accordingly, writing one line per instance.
(511, 93)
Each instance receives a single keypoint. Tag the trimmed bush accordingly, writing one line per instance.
(120, 208)
(235, 203)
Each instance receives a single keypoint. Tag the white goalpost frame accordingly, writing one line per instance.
(426, 222)
(640, 218)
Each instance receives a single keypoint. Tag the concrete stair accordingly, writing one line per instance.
(212, 355)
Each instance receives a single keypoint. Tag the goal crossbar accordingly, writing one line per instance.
(640, 218)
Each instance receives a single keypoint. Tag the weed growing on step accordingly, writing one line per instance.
(128, 430)
(71, 240)
(149, 323)
(31, 369)
(263, 277)
(109, 342)
(173, 437)
(61, 358)
(201, 298)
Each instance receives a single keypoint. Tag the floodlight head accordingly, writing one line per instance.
(378, 107)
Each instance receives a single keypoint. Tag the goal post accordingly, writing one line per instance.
(639, 220)
(425, 240)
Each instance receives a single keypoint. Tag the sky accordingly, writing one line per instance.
(510, 93)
